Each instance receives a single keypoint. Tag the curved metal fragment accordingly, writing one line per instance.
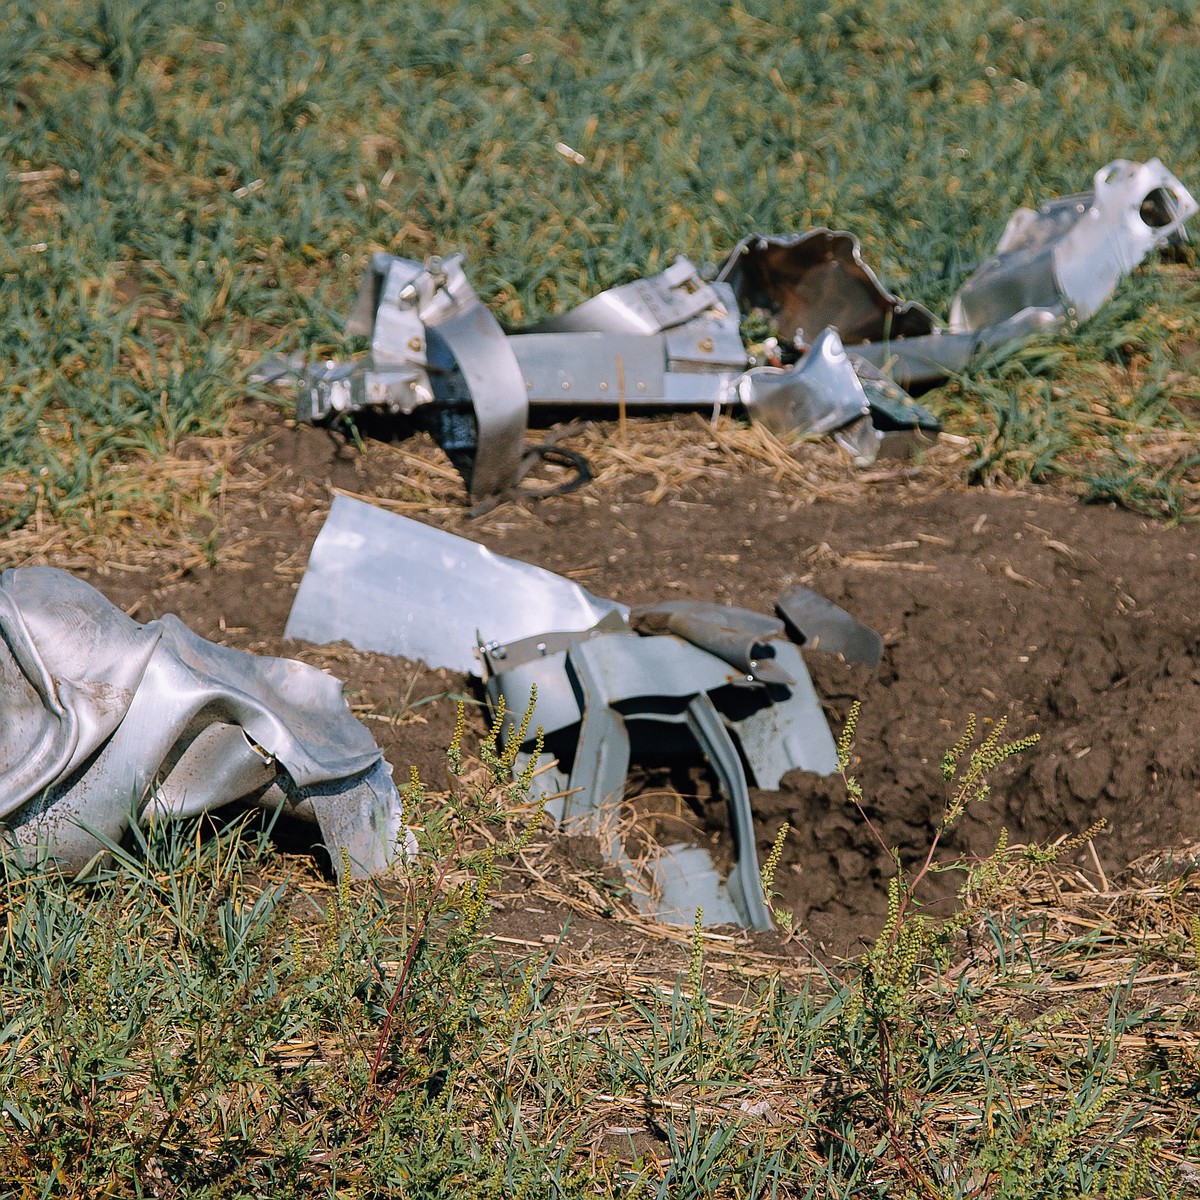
(738, 636)
(598, 686)
(810, 281)
(821, 393)
(493, 380)
(433, 342)
(592, 688)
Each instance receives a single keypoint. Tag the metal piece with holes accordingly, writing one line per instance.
(104, 720)
(674, 339)
(671, 340)
(1065, 259)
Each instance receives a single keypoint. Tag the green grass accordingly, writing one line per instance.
(184, 185)
(204, 1018)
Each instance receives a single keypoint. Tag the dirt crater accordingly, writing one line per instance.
(1074, 622)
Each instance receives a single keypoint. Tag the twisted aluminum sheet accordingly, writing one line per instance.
(104, 720)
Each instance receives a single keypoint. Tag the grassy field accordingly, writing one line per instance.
(184, 186)
(187, 186)
(205, 1020)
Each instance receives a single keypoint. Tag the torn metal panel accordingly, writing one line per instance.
(811, 281)
(741, 638)
(1065, 259)
(898, 425)
(620, 680)
(721, 681)
(831, 392)
(385, 583)
(818, 394)
(598, 686)
(103, 717)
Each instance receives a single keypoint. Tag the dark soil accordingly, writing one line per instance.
(1075, 622)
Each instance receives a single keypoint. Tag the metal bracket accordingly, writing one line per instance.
(592, 686)
(433, 342)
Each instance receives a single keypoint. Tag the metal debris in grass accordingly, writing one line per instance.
(592, 1028)
(671, 340)
(769, 334)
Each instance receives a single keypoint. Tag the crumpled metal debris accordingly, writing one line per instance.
(725, 683)
(432, 340)
(104, 720)
(668, 341)
(674, 340)
(1058, 264)
(1064, 260)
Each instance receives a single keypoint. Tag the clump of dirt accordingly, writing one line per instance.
(1073, 622)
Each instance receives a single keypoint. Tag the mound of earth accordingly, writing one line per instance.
(1074, 622)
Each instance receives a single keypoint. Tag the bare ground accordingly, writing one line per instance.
(1074, 622)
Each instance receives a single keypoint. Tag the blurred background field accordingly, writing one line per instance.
(185, 186)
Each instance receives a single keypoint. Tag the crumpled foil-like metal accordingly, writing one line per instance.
(104, 719)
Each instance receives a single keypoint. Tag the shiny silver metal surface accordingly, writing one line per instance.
(669, 341)
(723, 679)
(385, 583)
(818, 394)
(433, 342)
(104, 720)
(1065, 259)
(675, 340)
